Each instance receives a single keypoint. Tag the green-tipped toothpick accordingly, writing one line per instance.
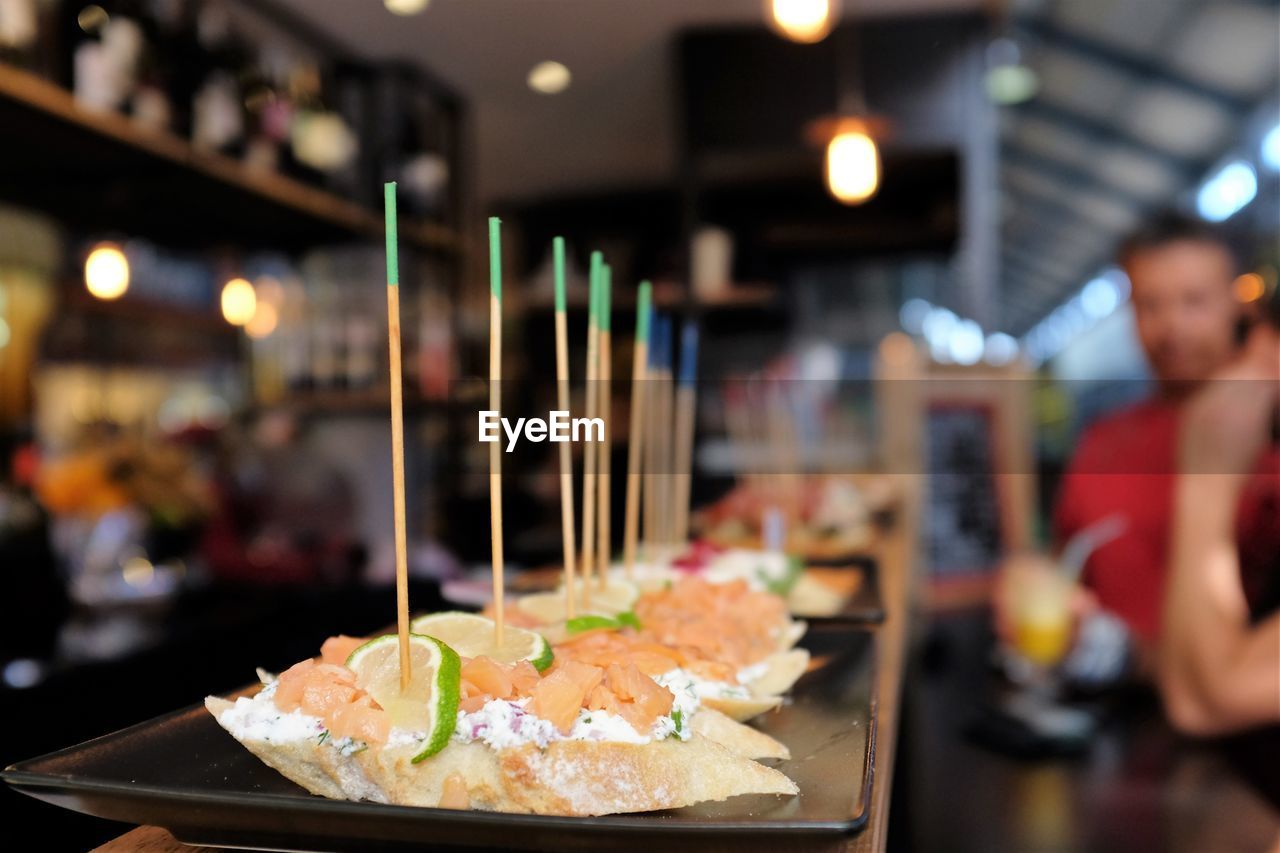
(589, 480)
(397, 435)
(495, 405)
(605, 408)
(635, 443)
(567, 527)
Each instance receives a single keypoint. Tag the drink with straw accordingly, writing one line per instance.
(1041, 617)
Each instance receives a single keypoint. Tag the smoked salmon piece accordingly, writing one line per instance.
(484, 678)
(329, 692)
(488, 676)
(337, 649)
(360, 720)
(729, 623)
(557, 697)
(641, 700)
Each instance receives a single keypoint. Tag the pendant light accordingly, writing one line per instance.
(852, 167)
(803, 21)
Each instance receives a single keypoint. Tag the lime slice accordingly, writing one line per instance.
(618, 596)
(430, 704)
(471, 636)
(591, 621)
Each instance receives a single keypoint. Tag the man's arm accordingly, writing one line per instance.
(1217, 673)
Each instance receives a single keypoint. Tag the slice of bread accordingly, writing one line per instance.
(578, 778)
(734, 736)
(783, 671)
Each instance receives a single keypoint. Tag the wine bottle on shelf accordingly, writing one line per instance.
(106, 57)
(218, 120)
(435, 345)
(19, 32)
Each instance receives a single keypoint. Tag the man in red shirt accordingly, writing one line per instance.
(1186, 317)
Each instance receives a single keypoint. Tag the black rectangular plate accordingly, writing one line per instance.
(863, 607)
(183, 772)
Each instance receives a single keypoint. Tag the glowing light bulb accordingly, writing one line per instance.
(265, 318)
(804, 21)
(853, 167)
(239, 302)
(405, 7)
(549, 78)
(106, 272)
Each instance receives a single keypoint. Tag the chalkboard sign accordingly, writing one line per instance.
(964, 519)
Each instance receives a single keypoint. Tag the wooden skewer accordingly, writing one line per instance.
(397, 438)
(668, 450)
(661, 430)
(686, 408)
(495, 405)
(684, 461)
(635, 438)
(782, 439)
(589, 451)
(605, 407)
(653, 463)
(567, 526)
(739, 431)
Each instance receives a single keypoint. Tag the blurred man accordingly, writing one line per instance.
(1186, 318)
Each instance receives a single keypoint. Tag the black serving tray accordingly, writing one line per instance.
(864, 606)
(183, 772)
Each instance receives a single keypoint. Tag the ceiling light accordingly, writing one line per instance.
(1011, 84)
(106, 272)
(912, 313)
(804, 21)
(937, 325)
(1000, 348)
(1227, 192)
(1008, 81)
(966, 342)
(1099, 297)
(853, 167)
(549, 78)
(239, 302)
(852, 163)
(1271, 149)
(405, 7)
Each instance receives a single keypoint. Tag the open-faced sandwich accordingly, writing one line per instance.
(832, 518)
(731, 643)
(588, 727)
(807, 591)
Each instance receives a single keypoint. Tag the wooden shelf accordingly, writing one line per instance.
(101, 171)
(371, 402)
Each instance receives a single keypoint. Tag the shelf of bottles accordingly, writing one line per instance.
(242, 95)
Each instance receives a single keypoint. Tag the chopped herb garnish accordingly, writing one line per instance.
(630, 619)
(677, 717)
(324, 735)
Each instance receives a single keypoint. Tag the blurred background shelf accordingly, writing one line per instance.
(101, 170)
(670, 297)
(367, 403)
